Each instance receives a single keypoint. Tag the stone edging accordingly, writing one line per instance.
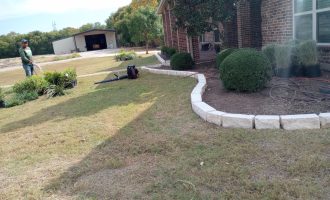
(230, 120)
(161, 60)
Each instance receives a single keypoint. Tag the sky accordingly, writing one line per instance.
(23, 16)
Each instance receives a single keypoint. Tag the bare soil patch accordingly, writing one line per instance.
(282, 96)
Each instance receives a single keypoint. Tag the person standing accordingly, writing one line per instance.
(26, 56)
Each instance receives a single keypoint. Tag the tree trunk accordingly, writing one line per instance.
(147, 47)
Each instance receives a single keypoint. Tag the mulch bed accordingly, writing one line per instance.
(281, 97)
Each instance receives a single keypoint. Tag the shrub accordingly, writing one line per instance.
(125, 55)
(307, 53)
(269, 51)
(296, 67)
(245, 70)
(283, 55)
(2, 95)
(182, 61)
(70, 78)
(223, 55)
(168, 51)
(308, 56)
(2, 98)
(21, 98)
(54, 78)
(32, 84)
(66, 79)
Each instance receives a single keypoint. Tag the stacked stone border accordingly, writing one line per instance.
(161, 60)
(230, 120)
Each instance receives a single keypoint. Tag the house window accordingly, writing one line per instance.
(312, 20)
(202, 38)
(217, 36)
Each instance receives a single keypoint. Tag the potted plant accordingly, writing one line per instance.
(308, 56)
(297, 69)
(283, 60)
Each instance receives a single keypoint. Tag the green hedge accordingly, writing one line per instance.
(245, 70)
(168, 51)
(182, 61)
(223, 55)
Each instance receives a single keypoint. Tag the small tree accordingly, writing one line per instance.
(144, 26)
(200, 16)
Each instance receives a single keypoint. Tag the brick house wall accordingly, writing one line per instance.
(249, 24)
(277, 21)
(257, 23)
(178, 38)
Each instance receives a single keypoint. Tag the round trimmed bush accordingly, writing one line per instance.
(182, 61)
(246, 70)
(223, 55)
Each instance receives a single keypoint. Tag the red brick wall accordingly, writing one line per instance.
(176, 38)
(324, 55)
(249, 24)
(277, 21)
(195, 48)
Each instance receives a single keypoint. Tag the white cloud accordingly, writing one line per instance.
(20, 8)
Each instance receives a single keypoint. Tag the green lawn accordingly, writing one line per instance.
(83, 66)
(139, 139)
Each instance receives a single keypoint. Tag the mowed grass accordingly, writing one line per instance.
(83, 67)
(139, 139)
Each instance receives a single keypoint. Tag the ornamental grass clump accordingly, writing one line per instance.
(283, 60)
(308, 57)
(269, 51)
(245, 70)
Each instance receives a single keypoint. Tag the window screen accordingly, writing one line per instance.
(323, 4)
(303, 5)
(304, 27)
(323, 27)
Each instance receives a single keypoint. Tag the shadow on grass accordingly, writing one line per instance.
(118, 93)
(121, 167)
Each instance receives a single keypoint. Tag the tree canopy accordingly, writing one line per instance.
(132, 20)
(200, 16)
(144, 26)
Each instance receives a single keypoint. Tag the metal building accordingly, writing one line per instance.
(94, 39)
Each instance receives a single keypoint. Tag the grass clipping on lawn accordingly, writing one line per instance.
(140, 140)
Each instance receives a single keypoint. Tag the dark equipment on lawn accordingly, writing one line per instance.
(132, 73)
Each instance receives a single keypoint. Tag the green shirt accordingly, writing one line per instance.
(26, 55)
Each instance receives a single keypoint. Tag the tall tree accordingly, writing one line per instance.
(143, 3)
(120, 21)
(144, 26)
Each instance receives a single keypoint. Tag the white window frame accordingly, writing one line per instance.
(314, 13)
